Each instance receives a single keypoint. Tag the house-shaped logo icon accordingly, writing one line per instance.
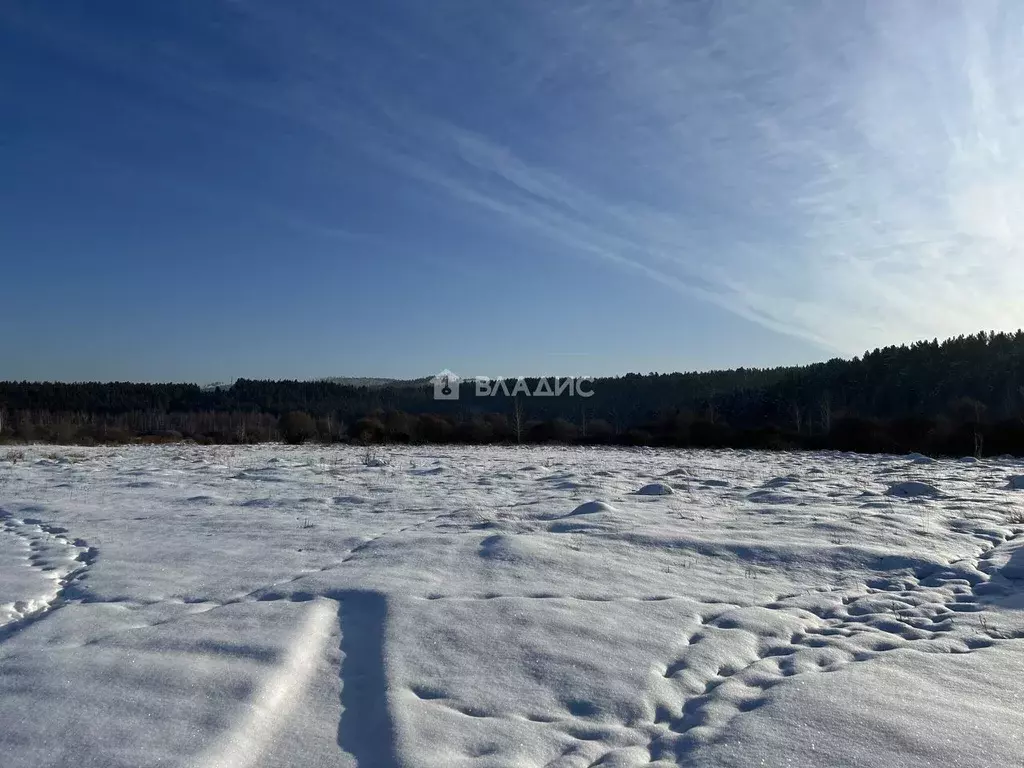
(446, 385)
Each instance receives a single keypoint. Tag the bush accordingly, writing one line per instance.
(296, 427)
(436, 429)
(368, 430)
(553, 431)
(25, 430)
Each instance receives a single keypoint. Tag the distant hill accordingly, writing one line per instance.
(371, 381)
(345, 381)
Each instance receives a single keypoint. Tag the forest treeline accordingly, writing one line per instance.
(961, 396)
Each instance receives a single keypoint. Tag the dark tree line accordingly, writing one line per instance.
(961, 396)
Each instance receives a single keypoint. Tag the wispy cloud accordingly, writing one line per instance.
(851, 177)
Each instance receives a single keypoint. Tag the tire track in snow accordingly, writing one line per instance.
(244, 744)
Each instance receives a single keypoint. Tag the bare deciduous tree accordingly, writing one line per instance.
(518, 418)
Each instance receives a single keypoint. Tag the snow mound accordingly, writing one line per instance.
(968, 460)
(593, 507)
(910, 488)
(768, 496)
(679, 471)
(509, 548)
(922, 460)
(431, 471)
(568, 485)
(1015, 483)
(203, 498)
(655, 489)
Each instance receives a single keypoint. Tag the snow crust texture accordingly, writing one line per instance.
(560, 608)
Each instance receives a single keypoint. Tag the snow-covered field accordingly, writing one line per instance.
(276, 606)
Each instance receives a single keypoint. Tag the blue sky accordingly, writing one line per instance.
(207, 190)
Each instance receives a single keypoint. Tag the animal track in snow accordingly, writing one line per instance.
(269, 591)
(39, 563)
(919, 611)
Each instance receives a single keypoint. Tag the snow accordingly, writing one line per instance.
(593, 508)
(912, 488)
(656, 489)
(281, 606)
